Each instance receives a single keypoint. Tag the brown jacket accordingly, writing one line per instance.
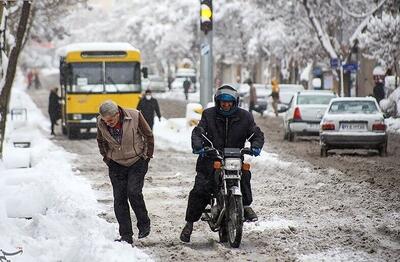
(137, 139)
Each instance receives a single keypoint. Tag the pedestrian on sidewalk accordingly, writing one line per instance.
(252, 96)
(29, 78)
(275, 95)
(126, 143)
(54, 108)
(186, 87)
(148, 105)
(36, 80)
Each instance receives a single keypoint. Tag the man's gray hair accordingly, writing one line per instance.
(108, 108)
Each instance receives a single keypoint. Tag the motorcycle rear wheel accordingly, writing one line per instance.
(235, 220)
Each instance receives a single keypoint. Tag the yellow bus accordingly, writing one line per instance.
(91, 73)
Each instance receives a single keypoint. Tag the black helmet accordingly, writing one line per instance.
(226, 93)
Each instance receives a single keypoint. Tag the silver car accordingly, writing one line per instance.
(155, 83)
(305, 112)
(353, 123)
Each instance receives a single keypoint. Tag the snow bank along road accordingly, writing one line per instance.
(345, 207)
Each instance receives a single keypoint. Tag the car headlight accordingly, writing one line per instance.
(77, 116)
(233, 164)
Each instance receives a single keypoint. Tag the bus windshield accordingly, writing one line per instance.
(105, 77)
(122, 77)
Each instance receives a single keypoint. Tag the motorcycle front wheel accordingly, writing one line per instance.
(235, 220)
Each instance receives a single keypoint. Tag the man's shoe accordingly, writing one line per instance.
(186, 232)
(144, 233)
(128, 240)
(249, 214)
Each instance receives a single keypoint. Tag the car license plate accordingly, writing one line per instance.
(313, 126)
(352, 126)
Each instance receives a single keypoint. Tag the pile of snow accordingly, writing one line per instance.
(393, 125)
(48, 211)
(391, 105)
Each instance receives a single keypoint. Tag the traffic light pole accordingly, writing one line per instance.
(206, 69)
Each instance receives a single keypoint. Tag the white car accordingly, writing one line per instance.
(262, 97)
(353, 123)
(286, 93)
(157, 83)
(305, 112)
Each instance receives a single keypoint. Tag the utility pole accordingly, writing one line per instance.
(206, 60)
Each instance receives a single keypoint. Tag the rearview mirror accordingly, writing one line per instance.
(144, 72)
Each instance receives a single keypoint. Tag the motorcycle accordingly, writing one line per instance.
(225, 212)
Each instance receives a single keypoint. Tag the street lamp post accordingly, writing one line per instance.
(206, 60)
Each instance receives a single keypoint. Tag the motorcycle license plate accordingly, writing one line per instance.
(232, 176)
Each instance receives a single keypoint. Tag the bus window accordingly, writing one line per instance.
(87, 77)
(122, 77)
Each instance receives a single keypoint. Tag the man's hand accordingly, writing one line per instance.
(200, 152)
(255, 151)
(159, 119)
(106, 160)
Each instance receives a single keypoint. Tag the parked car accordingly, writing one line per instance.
(353, 123)
(286, 93)
(262, 97)
(157, 83)
(304, 113)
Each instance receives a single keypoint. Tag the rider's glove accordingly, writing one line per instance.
(255, 151)
(200, 152)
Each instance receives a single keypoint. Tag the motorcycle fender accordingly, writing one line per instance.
(236, 191)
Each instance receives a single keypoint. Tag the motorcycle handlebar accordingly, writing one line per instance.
(246, 151)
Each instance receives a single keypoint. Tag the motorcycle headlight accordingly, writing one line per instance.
(77, 116)
(233, 164)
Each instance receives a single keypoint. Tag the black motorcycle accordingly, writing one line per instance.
(225, 213)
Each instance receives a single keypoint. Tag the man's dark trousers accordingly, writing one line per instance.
(127, 183)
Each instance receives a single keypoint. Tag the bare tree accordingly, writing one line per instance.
(8, 78)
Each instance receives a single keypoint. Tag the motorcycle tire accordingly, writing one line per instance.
(235, 220)
(223, 234)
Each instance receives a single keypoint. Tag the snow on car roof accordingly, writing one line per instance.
(316, 92)
(96, 46)
(367, 98)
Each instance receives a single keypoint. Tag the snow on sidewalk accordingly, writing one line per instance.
(48, 211)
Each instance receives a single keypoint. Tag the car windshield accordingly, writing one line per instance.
(353, 107)
(313, 99)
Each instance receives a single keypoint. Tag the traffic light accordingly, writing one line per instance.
(206, 15)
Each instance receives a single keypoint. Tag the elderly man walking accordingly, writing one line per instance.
(126, 143)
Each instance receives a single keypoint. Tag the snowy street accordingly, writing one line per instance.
(303, 94)
(338, 208)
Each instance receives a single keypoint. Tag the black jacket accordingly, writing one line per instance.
(379, 92)
(148, 107)
(224, 132)
(54, 106)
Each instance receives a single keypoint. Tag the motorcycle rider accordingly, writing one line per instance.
(227, 126)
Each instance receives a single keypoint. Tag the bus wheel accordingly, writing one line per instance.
(64, 130)
(73, 133)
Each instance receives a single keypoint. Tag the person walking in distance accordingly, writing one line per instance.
(148, 105)
(275, 95)
(126, 143)
(54, 108)
(252, 96)
(186, 87)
